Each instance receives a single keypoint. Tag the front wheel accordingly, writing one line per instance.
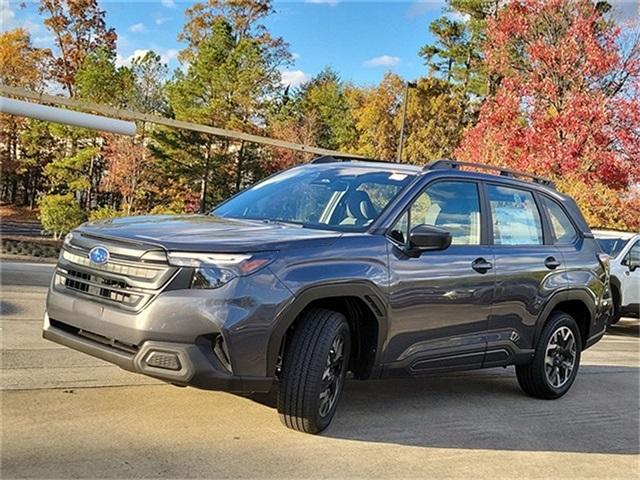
(555, 361)
(615, 297)
(314, 367)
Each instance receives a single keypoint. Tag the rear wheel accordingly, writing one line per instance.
(556, 359)
(313, 370)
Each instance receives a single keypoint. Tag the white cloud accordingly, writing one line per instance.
(122, 61)
(44, 41)
(459, 17)
(625, 12)
(137, 28)
(295, 56)
(168, 55)
(294, 78)
(168, 3)
(382, 61)
(423, 7)
(332, 3)
(6, 14)
(161, 20)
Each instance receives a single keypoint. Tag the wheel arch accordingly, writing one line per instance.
(362, 304)
(577, 303)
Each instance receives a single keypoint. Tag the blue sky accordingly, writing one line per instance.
(360, 39)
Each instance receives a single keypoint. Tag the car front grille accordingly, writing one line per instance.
(127, 280)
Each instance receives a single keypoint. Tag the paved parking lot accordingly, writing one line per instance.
(65, 414)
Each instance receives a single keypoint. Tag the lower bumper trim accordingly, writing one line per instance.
(196, 368)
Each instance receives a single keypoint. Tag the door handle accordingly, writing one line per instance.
(480, 265)
(551, 263)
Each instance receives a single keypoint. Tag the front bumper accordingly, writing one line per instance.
(187, 364)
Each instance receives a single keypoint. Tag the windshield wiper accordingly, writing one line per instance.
(281, 222)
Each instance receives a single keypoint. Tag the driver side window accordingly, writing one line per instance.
(451, 205)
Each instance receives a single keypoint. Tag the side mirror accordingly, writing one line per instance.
(427, 238)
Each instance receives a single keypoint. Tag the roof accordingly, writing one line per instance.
(372, 164)
(439, 165)
(613, 234)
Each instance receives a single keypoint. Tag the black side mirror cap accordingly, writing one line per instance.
(428, 238)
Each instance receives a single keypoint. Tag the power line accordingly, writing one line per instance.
(43, 98)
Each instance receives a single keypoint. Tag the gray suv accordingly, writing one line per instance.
(378, 269)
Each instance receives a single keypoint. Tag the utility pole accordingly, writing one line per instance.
(407, 86)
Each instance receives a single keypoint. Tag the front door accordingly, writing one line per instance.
(631, 279)
(440, 301)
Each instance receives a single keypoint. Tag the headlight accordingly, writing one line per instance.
(213, 270)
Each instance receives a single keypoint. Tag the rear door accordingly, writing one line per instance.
(528, 269)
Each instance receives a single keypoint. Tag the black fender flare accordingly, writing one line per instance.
(368, 292)
(581, 295)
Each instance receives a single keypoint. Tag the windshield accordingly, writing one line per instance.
(337, 198)
(612, 246)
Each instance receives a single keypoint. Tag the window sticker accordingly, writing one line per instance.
(397, 177)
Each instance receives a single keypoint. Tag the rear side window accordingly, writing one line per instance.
(562, 229)
(516, 219)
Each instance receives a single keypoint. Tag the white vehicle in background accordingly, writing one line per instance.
(624, 250)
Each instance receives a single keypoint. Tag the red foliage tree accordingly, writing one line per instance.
(127, 169)
(568, 104)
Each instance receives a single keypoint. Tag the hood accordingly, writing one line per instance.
(206, 233)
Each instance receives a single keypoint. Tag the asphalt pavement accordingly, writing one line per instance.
(65, 414)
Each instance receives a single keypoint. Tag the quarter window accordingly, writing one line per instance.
(452, 206)
(633, 257)
(563, 230)
(516, 219)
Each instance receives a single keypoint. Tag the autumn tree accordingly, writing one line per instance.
(84, 65)
(21, 65)
(79, 28)
(287, 120)
(433, 122)
(377, 115)
(127, 160)
(567, 105)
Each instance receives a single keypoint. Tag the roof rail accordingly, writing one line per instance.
(345, 158)
(505, 172)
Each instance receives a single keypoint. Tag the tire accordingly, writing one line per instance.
(305, 402)
(615, 297)
(548, 378)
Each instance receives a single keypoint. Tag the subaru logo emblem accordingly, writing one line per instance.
(99, 255)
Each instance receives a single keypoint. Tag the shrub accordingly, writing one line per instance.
(173, 208)
(103, 213)
(60, 213)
